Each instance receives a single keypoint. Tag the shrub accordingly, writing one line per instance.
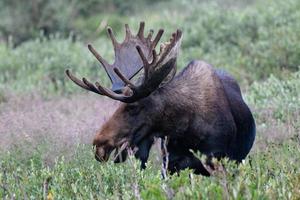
(39, 65)
(24, 20)
(282, 96)
(276, 107)
(251, 42)
(267, 177)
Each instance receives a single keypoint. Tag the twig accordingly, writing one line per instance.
(5, 190)
(224, 182)
(217, 169)
(135, 186)
(46, 188)
(17, 179)
(165, 157)
(165, 164)
(121, 149)
(169, 191)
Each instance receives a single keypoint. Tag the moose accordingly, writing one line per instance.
(199, 109)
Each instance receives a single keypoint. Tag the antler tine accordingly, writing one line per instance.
(76, 80)
(145, 61)
(149, 36)
(98, 88)
(91, 86)
(128, 32)
(123, 78)
(141, 30)
(112, 37)
(157, 38)
(179, 33)
(143, 57)
(97, 55)
(84, 83)
(164, 50)
(176, 36)
(110, 93)
(154, 57)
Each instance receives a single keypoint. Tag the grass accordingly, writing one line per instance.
(264, 175)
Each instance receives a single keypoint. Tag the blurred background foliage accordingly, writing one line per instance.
(24, 20)
(39, 39)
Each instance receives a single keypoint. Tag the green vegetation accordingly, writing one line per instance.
(269, 174)
(40, 110)
(251, 42)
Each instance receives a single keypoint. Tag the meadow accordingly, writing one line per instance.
(47, 123)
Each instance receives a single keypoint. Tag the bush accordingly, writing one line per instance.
(267, 177)
(24, 20)
(276, 107)
(281, 95)
(251, 41)
(40, 65)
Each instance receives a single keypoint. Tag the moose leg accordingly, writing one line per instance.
(180, 158)
(183, 161)
(143, 150)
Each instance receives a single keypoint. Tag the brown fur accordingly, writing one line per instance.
(194, 110)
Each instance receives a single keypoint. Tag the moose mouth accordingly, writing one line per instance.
(102, 154)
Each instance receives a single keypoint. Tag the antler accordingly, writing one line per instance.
(127, 59)
(154, 72)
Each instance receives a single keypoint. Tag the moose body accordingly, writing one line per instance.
(200, 109)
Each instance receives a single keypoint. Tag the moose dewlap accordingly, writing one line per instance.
(200, 109)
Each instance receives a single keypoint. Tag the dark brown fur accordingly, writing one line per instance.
(200, 109)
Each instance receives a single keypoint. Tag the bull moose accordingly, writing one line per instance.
(200, 109)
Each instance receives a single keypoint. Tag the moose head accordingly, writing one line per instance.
(141, 103)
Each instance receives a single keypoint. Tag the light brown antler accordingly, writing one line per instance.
(127, 59)
(154, 71)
